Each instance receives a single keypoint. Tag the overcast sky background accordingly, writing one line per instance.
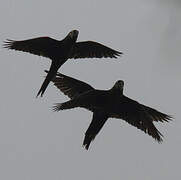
(36, 143)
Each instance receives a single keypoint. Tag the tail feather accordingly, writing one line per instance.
(53, 70)
(87, 140)
(98, 121)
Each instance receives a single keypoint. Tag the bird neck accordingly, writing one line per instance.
(68, 38)
(116, 91)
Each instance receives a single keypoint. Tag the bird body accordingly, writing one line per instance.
(106, 104)
(60, 51)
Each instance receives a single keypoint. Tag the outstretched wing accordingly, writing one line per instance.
(98, 120)
(90, 49)
(70, 86)
(137, 115)
(157, 115)
(41, 46)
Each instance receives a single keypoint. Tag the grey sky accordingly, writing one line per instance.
(36, 143)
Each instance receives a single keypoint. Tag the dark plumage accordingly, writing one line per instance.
(60, 51)
(107, 104)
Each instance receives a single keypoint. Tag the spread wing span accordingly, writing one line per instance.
(70, 86)
(41, 46)
(91, 49)
(142, 117)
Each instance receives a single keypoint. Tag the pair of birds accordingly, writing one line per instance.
(103, 103)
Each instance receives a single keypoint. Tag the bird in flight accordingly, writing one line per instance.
(60, 51)
(106, 104)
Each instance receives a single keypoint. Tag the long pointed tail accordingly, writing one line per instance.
(98, 121)
(52, 72)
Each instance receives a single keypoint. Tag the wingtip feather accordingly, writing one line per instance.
(8, 43)
(57, 107)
